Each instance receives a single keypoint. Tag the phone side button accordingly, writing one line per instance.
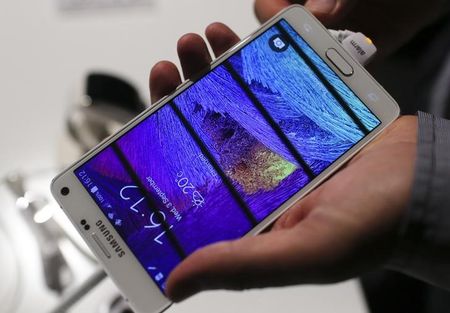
(338, 61)
(101, 246)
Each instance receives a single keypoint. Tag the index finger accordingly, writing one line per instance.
(220, 37)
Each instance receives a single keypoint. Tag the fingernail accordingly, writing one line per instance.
(321, 6)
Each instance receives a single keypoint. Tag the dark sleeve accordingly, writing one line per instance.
(424, 244)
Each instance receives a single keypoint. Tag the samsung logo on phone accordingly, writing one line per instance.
(358, 48)
(110, 238)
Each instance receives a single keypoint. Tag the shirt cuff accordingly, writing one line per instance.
(423, 249)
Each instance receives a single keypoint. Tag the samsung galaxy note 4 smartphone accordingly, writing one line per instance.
(224, 155)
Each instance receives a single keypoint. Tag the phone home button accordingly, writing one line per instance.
(338, 61)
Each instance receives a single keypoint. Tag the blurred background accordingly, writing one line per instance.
(63, 64)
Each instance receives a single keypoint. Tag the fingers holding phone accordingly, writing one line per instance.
(194, 57)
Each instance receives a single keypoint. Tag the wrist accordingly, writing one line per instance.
(423, 245)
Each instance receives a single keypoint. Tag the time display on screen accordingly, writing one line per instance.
(154, 219)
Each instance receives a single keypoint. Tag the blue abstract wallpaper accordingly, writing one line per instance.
(227, 152)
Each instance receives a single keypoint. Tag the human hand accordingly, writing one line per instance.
(389, 23)
(346, 226)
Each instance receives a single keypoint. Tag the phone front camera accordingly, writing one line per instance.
(65, 191)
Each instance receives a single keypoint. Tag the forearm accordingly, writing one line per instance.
(424, 246)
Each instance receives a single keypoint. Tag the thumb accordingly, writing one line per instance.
(328, 11)
(232, 265)
(284, 257)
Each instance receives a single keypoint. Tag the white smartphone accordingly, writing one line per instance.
(224, 155)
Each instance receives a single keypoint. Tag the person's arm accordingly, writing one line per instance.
(424, 247)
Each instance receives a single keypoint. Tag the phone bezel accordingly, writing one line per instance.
(129, 275)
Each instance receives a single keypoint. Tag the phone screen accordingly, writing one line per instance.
(228, 151)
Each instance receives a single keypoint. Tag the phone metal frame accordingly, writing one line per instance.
(128, 274)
